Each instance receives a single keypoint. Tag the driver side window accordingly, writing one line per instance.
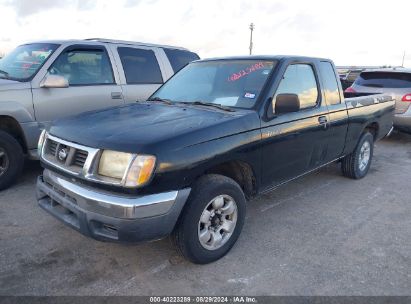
(84, 67)
(299, 79)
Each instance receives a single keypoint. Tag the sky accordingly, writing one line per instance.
(351, 32)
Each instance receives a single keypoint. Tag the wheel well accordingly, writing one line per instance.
(373, 128)
(239, 171)
(10, 125)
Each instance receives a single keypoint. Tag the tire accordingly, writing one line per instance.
(354, 165)
(11, 160)
(206, 195)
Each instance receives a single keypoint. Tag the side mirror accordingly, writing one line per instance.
(54, 81)
(287, 103)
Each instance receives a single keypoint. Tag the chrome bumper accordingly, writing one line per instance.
(107, 216)
(103, 203)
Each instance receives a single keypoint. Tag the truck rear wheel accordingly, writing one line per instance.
(212, 219)
(11, 159)
(357, 164)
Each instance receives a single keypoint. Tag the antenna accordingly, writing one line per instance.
(403, 59)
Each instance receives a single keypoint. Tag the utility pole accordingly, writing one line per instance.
(403, 59)
(251, 37)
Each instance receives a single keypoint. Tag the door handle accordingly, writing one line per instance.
(116, 95)
(322, 120)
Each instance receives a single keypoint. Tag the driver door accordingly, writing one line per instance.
(92, 84)
(293, 142)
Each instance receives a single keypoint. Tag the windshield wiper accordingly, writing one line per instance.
(5, 73)
(208, 104)
(166, 101)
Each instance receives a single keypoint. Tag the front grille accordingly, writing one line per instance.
(80, 158)
(52, 147)
(64, 155)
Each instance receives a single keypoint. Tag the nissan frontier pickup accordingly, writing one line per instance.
(186, 161)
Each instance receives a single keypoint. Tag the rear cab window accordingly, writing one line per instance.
(331, 91)
(180, 58)
(392, 80)
(140, 66)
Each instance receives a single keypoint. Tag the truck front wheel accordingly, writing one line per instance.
(11, 159)
(212, 219)
(357, 164)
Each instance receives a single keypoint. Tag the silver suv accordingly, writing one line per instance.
(396, 81)
(43, 81)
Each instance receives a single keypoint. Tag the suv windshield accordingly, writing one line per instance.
(232, 83)
(390, 80)
(25, 60)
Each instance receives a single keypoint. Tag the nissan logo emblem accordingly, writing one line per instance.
(62, 155)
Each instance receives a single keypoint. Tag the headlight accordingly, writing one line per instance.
(132, 170)
(41, 142)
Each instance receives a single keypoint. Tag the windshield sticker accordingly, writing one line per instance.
(248, 70)
(249, 95)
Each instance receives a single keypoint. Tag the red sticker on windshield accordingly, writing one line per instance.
(246, 71)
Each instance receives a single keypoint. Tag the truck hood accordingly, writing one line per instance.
(7, 84)
(149, 127)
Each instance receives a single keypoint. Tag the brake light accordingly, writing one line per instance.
(406, 98)
(350, 90)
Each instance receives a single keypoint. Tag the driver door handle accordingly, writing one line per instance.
(116, 95)
(322, 120)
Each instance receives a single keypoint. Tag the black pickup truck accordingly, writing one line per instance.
(215, 135)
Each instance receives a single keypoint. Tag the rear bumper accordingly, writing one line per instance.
(109, 217)
(403, 121)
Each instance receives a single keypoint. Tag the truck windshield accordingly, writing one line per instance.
(230, 83)
(25, 60)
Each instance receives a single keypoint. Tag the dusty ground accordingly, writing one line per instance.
(320, 235)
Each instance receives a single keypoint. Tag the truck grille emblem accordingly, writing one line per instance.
(62, 155)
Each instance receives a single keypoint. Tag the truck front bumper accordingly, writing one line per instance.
(109, 217)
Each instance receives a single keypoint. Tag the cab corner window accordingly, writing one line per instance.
(140, 66)
(332, 94)
(84, 67)
(299, 79)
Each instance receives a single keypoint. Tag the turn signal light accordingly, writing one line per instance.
(350, 90)
(406, 98)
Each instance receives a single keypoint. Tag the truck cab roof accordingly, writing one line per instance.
(267, 57)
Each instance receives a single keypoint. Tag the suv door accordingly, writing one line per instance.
(92, 84)
(142, 71)
(293, 142)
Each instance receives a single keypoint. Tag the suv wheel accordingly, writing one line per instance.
(357, 164)
(11, 159)
(212, 219)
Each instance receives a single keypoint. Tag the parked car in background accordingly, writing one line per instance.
(396, 81)
(219, 132)
(348, 78)
(43, 81)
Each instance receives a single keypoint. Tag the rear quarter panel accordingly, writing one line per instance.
(363, 114)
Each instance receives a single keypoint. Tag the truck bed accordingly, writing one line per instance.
(365, 99)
